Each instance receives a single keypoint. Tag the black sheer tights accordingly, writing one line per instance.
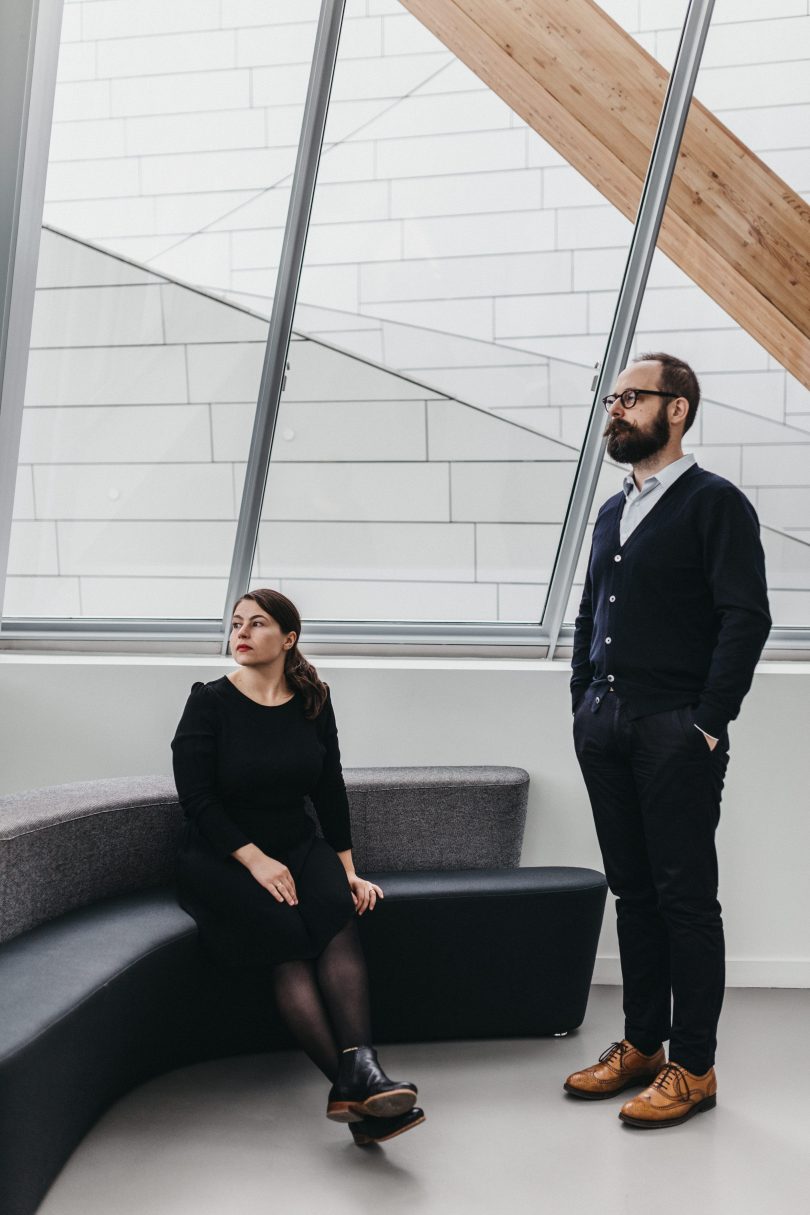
(324, 1001)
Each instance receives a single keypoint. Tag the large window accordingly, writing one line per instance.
(455, 296)
(463, 263)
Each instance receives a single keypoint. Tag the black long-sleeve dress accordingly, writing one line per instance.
(242, 772)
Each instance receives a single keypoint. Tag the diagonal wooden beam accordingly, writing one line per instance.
(586, 86)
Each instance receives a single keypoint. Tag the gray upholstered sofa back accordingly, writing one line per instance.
(68, 845)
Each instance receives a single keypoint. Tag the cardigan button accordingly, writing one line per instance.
(608, 640)
(612, 599)
(610, 678)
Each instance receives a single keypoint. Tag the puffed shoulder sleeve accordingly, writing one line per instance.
(194, 758)
(329, 795)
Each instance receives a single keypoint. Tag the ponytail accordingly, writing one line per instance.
(302, 676)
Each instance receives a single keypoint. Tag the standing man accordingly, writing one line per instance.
(673, 618)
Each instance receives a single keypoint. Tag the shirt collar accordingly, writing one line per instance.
(664, 477)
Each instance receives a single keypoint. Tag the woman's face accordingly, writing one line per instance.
(256, 638)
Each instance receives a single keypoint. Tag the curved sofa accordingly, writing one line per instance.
(103, 983)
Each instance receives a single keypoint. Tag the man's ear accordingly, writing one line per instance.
(681, 406)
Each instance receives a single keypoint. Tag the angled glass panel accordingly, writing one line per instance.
(753, 424)
(755, 428)
(457, 289)
(648, 70)
(174, 138)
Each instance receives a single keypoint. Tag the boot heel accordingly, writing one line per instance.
(389, 1105)
(344, 1111)
(380, 1130)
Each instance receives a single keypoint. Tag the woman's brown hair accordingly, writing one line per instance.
(301, 674)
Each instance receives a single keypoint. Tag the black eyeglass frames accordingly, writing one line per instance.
(629, 397)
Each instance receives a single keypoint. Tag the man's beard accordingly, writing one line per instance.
(628, 445)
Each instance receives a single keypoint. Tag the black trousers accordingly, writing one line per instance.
(655, 789)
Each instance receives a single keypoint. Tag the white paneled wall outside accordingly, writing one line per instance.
(386, 497)
(449, 243)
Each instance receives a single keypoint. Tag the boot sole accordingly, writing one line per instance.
(641, 1081)
(364, 1140)
(707, 1104)
(379, 1105)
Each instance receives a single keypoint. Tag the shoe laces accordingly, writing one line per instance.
(672, 1077)
(615, 1048)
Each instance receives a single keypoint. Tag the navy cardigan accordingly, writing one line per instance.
(678, 614)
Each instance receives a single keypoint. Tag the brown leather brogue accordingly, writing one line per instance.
(674, 1096)
(619, 1067)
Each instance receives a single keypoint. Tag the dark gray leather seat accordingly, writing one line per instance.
(103, 983)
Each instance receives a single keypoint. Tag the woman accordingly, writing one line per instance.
(263, 887)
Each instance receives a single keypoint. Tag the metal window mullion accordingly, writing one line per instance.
(29, 54)
(278, 339)
(651, 209)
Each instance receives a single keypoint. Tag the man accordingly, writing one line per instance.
(673, 618)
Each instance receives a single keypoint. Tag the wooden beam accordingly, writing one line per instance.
(584, 84)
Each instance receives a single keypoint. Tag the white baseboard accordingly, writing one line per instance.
(740, 972)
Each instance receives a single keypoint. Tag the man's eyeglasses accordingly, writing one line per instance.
(629, 397)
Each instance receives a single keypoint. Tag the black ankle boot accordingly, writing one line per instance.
(363, 1090)
(377, 1130)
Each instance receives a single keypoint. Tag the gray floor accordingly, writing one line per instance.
(248, 1135)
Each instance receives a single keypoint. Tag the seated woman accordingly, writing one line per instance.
(264, 889)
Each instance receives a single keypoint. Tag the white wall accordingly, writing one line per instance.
(77, 717)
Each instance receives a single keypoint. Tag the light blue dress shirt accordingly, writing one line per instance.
(639, 502)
